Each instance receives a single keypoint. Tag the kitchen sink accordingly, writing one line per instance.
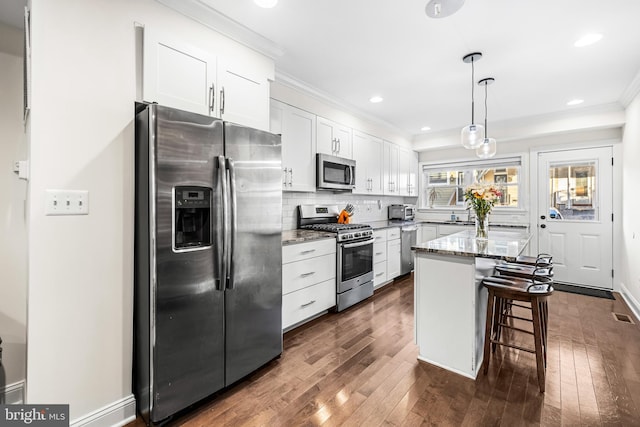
(460, 222)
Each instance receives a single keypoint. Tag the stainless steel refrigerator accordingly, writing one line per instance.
(208, 260)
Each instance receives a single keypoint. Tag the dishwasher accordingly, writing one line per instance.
(407, 239)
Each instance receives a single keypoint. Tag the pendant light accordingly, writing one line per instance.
(488, 146)
(442, 8)
(471, 135)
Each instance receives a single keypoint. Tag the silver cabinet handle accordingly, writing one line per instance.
(212, 97)
(284, 177)
(307, 251)
(338, 145)
(222, 101)
(379, 253)
(333, 146)
(308, 304)
(290, 177)
(311, 273)
(380, 274)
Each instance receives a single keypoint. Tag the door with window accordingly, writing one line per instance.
(575, 218)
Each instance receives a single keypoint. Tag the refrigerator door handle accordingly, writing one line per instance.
(222, 258)
(233, 221)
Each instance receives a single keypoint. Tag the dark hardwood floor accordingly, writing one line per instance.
(359, 368)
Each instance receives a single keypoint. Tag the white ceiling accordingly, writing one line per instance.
(353, 49)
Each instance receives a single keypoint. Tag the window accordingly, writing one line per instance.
(444, 183)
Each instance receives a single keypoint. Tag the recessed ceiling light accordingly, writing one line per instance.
(575, 102)
(376, 99)
(588, 39)
(425, 128)
(267, 4)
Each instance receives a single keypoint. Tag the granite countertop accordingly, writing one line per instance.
(504, 245)
(468, 223)
(290, 237)
(387, 223)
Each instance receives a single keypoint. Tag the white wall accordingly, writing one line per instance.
(630, 251)
(13, 231)
(81, 267)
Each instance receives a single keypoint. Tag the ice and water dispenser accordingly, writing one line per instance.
(192, 218)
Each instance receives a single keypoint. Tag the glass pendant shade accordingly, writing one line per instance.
(487, 148)
(472, 136)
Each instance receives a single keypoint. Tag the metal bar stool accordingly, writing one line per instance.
(542, 260)
(504, 291)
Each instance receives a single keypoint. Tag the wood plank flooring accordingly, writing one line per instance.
(359, 368)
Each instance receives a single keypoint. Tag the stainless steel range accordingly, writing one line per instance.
(354, 263)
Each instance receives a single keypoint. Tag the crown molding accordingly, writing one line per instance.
(201, 12)
(631, 91)
(319, 95)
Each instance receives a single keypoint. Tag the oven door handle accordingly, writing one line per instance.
(355, 245)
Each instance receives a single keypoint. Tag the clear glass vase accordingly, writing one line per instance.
(482, 226)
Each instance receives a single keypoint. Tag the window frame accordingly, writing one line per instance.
(470, 166)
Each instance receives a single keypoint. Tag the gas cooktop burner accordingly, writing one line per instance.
(335, 228)
(325, 217)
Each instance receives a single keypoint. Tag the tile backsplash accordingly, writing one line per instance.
(367, 208)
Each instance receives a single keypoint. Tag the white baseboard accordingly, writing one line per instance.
(13, 394)
(633, 303)
(113, 415)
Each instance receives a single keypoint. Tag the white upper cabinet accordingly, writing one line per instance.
(178, 74)
(367, 152)
(334, 139)
(183, 74)
(408, 172)
(243, 94)
(298, 130)
(391, 171)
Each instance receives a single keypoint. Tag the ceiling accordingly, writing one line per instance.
(354, 49)
(350, 50)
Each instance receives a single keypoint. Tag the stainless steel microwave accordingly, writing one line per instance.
(335, 173)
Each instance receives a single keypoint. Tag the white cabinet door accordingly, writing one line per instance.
(394, 249)
(408, 172)
(178, 74)
(367, 152)
(334, 139)
(243, 95)
(298, 130)
(390, 159)
(426, 233)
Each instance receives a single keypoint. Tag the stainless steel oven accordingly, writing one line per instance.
(354, 279)
(354, 252)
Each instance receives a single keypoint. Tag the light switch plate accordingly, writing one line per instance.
(66, 202)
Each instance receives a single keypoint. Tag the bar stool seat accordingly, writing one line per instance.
(503, 292)
(542, 260)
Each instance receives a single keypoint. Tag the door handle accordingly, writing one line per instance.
(233, 208)
(543, 225)
(223, 240)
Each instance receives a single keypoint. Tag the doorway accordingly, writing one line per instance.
(575, 214)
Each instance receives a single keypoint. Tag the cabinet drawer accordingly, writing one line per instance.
(300, 274)
(379, 252)
(379, 273)
(300, 251)
(300, 305)
(393, 233)
(380, 235)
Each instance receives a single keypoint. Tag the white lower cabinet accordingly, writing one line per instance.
(308, 280)
(394, 254)
(426, 233)
(379, 262)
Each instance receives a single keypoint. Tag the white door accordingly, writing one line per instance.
(575, 218)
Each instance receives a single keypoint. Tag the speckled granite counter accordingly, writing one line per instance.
(468, 223)
(387, 223)
(503, 245)
(290, 237)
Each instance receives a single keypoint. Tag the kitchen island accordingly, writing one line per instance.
(450, 301)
